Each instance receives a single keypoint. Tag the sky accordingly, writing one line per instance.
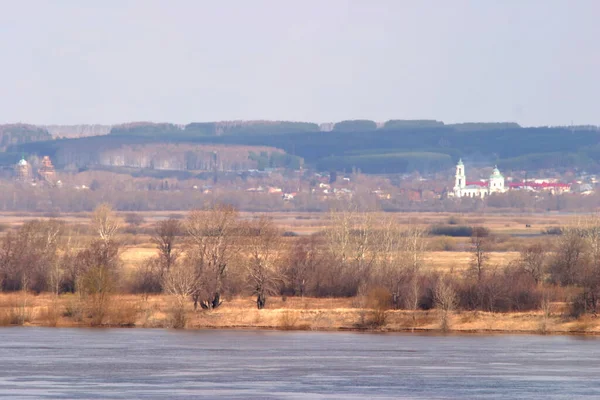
(535, 62)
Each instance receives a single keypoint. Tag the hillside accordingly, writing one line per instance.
(76, 131)
(397, 146)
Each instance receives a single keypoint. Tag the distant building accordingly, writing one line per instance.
(480, 189)
(552, 187)
(47, 172)
(288, 196)
(23, 170)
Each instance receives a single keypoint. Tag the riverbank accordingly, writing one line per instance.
(336, 314)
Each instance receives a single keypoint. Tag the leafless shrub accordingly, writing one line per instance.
(445, 301)
(147, 278)
(134, 219)
(123, 313)
(379, 300)
(287, 320)
(177, 316)
(20, 311)
(50, 314)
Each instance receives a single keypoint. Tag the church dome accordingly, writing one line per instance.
(496, 174)
(22, 162)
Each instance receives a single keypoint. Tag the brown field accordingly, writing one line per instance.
(139, 248)
(310, 222)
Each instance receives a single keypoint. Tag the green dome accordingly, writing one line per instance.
(496, 174)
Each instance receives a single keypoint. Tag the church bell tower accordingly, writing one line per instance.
(460, 180)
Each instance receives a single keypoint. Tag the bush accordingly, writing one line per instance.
(287, 320)
(123, 313)
(379, 301)
(451, 230)
(147, 278)
(553, 230)
(134, 219)
(177, 317)
(20, 310)
(454, 220)
(50, 315)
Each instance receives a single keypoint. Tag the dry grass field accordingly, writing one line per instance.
(447, 254)
(444, 253)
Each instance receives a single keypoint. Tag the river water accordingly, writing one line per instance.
(166, 364)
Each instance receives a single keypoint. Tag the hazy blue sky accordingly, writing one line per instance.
(534, 62)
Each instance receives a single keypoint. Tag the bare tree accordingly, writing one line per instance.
(389, 261)
(262, 267)
(533, 260)
(28, 255)
(105, 222)
(446, 300)
(590, 275)
(181, 281)
(303, 261)
(414, 251)
(570, 257)
(211, 247)
(165, 238)
(479, 251)
(352, 248)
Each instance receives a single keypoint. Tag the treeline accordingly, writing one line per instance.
(506, 144)
(15, 134)
(213, 254)
(355, 144)
(233, 128)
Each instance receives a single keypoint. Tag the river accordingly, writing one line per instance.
(79, 363)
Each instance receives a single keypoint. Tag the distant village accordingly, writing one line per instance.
(288, 185)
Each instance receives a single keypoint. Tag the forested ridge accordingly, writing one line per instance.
(396, 146)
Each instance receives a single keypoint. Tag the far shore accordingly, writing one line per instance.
(291, 314)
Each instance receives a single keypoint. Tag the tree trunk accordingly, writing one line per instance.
(261, 300)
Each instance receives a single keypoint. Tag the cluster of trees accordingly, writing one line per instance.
(195, 129)
(213, 253)
(14, 134)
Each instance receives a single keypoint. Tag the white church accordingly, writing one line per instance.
(479, 189)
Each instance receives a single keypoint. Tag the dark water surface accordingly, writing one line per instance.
(164, 364)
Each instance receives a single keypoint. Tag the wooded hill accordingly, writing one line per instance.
(396, 146)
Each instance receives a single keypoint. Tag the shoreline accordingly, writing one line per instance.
(291, 314)
(408, 331)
